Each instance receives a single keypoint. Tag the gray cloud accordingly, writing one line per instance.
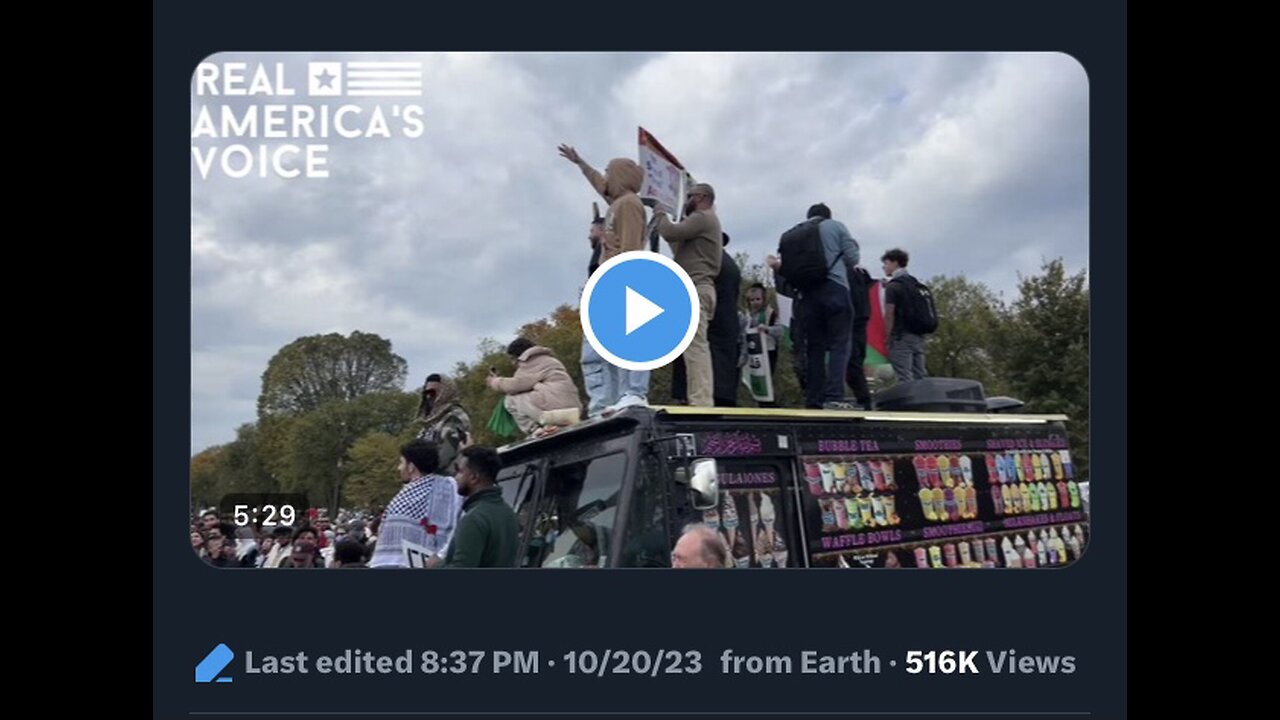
(975, 163)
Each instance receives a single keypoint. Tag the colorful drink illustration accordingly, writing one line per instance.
(851, 511)
(926, 504)
(877, 475)
(891, 510)
(813, 476)
(828, 478)
(886, 467)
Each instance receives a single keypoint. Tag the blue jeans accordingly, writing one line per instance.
(596, 376)
(606, 383)
(829, 332)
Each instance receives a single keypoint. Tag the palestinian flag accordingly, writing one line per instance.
(877, 344)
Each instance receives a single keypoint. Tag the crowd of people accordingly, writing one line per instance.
(448, 509)
(457, 520)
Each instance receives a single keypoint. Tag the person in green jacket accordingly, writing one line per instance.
(488, 534)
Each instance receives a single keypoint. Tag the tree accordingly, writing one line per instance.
(206, 468)
(969, 317)
(1044, 350)
(236, 467)
(372, 477)
(317, 369)
(314, 452)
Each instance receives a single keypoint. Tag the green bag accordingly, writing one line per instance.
(501, 423)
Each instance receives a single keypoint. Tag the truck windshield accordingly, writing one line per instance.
(575, 520)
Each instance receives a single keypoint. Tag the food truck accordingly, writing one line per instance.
(945, 483)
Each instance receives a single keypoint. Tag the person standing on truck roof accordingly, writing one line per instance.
(594, 367)
(860, 284)
(697, 246)
(488, 534)
(828, 314)
(444, 421)
(906, 349)
(700, 546)
(624, 225)
(724, 333)
(762, 318)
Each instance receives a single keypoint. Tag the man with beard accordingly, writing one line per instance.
(444, 421)
(697, 246)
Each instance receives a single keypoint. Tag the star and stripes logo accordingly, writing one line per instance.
(364, 78)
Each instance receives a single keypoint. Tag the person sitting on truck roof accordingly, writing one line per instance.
(700, 546)
(540, 386)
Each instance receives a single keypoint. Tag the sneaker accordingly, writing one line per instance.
(626, 402)
(839, 405)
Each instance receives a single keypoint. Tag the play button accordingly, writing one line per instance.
(639, 310)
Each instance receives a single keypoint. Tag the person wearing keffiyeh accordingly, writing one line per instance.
(424, 512)
(444, 421)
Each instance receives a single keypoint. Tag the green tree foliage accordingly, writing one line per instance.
(316, 449)
(236, 467)
(372, 475)
(206, 467)
(1043, 350)
(964, 345)
(318, 369)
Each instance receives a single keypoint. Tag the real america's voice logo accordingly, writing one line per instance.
(268, 120)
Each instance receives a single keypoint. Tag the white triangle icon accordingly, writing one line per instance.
(640, 310)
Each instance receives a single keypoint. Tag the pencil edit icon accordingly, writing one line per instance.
(213, 663)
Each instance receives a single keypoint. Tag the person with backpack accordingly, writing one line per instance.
(860, 284)
(909, 315)
(811, 254)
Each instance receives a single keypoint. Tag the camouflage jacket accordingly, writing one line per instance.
(448, 432)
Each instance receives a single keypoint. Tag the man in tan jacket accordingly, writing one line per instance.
(697, 245)
(541, 384)
(624, 225)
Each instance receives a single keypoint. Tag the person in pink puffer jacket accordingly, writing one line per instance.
(541, 385)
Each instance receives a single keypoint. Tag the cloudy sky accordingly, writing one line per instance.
(976, 164)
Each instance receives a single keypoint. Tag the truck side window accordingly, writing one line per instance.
(647, 542)
(576, 517)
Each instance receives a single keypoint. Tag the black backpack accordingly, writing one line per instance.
(919, 315)
(860, 288)
(804, 262)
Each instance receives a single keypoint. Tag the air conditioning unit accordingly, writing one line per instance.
(934, 395)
